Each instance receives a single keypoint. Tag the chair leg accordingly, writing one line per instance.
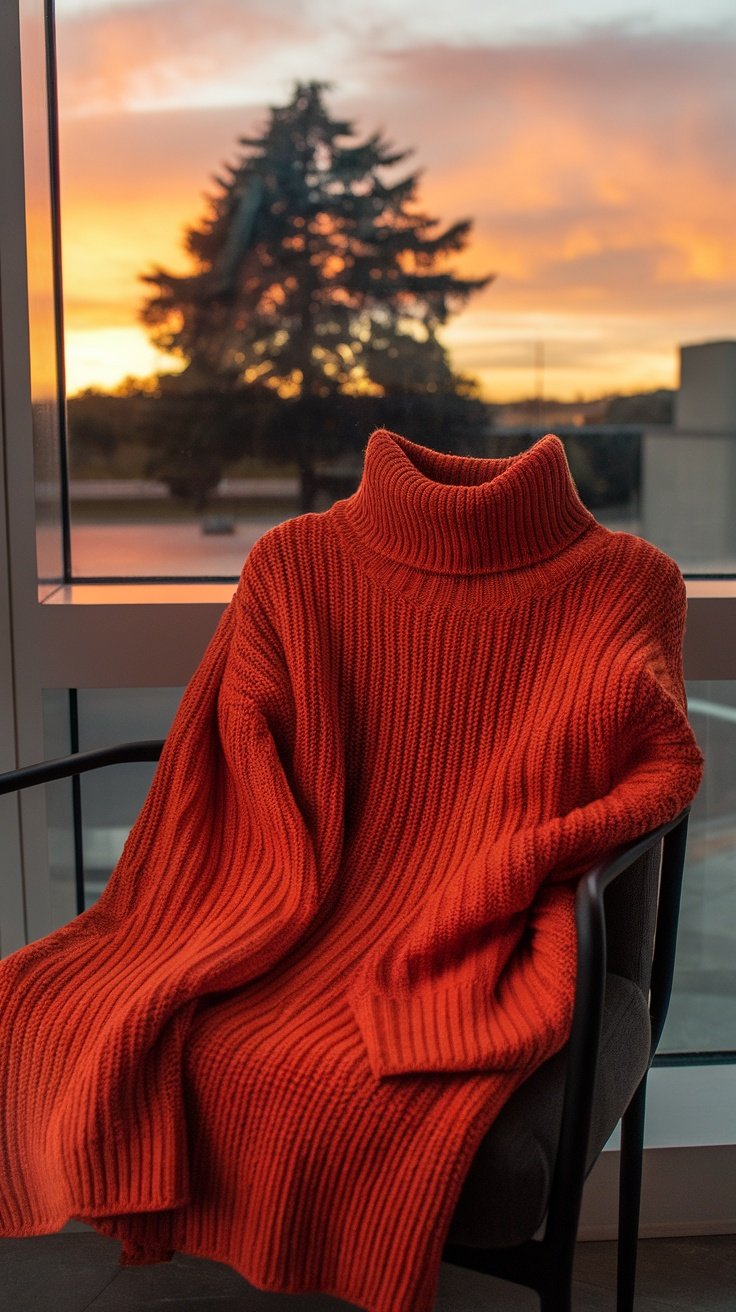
(629, 1197)
(555, 1287)
(557, 1300)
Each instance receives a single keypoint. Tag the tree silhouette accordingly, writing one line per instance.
(317, 279)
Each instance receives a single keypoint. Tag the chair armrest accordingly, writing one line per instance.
(582, 1051)
(65, 767)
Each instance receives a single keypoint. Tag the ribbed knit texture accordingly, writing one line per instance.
(341, 932)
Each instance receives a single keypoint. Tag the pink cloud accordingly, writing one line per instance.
(601, 167)
(599, 171)
(108, 58)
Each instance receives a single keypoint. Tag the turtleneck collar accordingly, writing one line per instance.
(458, 514)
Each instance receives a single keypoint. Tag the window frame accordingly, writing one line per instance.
(127, 634)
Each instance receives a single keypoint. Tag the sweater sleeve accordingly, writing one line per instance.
(232, 854)
(230, 833)
(483, 977)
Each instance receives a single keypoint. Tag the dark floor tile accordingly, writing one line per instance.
(460, 1290)
(78, 1271)
(196, 1284)
(696, 1273)
(54, 1273)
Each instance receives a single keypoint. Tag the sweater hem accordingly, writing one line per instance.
(52, 1225)
(443, 1030)
(424, 1298)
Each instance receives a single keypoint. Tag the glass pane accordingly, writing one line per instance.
(59, 815)
(107, 717)
(703, 1003)
(44, 376)
(110, 798)
(703, 1000)
(241, 310)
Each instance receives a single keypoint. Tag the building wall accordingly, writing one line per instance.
(706, 401)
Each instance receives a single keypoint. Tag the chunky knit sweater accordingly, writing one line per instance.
(341, 931)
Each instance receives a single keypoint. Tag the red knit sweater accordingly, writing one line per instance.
(341, 931)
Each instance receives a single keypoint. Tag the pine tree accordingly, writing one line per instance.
(317, 276)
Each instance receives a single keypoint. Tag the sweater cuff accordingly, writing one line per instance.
(456, 1028)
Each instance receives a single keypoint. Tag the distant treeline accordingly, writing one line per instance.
(191, 441)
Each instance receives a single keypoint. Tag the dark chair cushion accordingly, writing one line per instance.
(506, 1192)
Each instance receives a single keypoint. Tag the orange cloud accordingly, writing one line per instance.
(116, 58)
(598, 171)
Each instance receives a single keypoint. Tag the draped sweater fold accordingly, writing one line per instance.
(341, 931)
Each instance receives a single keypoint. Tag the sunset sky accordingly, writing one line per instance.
(596, 159)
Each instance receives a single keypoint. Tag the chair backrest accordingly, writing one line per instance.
(631, 915)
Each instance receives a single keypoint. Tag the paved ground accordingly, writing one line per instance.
(180, 547)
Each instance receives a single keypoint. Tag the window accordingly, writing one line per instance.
(605, 322)
(231, 332)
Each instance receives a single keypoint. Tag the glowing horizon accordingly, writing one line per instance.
(595, 162)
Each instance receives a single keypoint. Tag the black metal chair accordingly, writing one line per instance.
(534, 1160)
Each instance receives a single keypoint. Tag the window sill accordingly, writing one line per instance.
(723, 588)
(128, 634)
(128, 593)
(131, 593)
